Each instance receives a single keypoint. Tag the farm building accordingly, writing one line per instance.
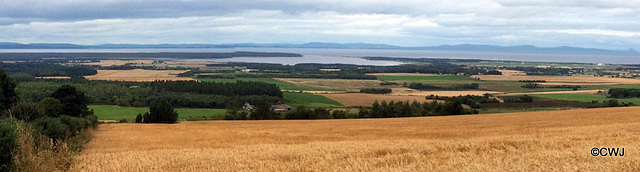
(281, 108)
(247, 106)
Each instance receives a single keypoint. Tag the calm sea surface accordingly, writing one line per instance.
(351, 56)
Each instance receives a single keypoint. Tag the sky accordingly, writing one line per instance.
(609, 24)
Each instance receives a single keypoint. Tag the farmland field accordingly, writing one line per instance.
(109, 112)
(309, 100)
(402, 74)
(584, 98)
(428, 77)
(139, 75)
(332, 84)
(283, 85)
(361, 99)
(529, 141)
(562, 80)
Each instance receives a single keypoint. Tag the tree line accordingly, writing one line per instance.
(143, 94)
(421, 86)
(624, 92)
(40, 69)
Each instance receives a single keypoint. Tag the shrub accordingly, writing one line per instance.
(299, 112)
(139, 118)
(123, 121)
(8, 143)
(613, 103)
(319, 113)
(52, 127)
(74, 124)
(146, 118)
(339, 114)
(26, 111)
(51, 107)
(91, 120)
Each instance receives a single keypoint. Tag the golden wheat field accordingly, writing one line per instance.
(139, 75)
(532, 141)
(562, 80)
(361, 99)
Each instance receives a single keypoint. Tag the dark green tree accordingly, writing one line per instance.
(163, 112)
(74, 102)
(263, 111)
(7, 90)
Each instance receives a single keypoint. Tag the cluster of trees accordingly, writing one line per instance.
(624, 92)
(240, 88)
(473, 101)
(573, 87)
(302, 112)
(420, 86)
(37, 69)
(615, 103)
(493, 72)
(144, 94)
(159, 112)
(531, 85)
(406, 109)
(544, 71)
(519, 99)
(376, 90)
(59, 117)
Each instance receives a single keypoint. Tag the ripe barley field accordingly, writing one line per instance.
(138, 75)
(531, 141)
(362, 99)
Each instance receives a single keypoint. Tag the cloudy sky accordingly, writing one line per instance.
(612, 24)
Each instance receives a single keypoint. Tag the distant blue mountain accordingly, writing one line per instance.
(320, 45)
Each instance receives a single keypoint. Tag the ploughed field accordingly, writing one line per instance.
(552, 140)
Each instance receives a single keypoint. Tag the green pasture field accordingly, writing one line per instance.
(309, 100)
(110, 112)
(584, 98)
(283, 85)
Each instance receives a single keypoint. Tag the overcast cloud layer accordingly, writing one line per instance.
(612, 24)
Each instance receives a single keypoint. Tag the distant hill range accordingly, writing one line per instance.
(318, 45)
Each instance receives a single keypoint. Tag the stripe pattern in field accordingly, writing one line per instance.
(532, 141)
